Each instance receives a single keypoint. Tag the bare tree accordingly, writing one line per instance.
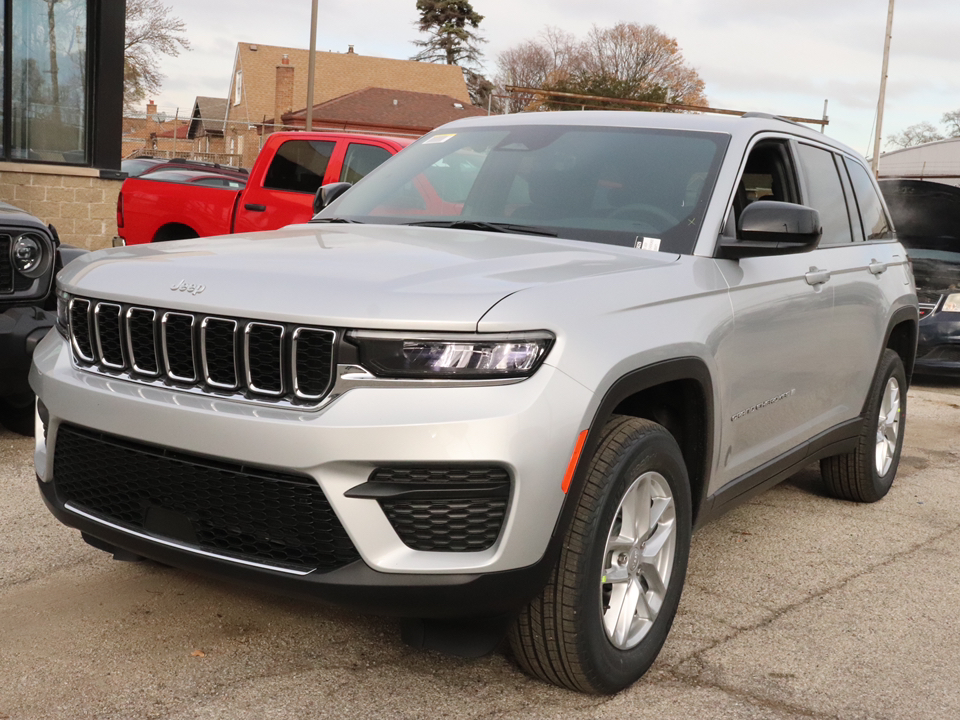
(951, 120)
(151, 31)
(546, 60)
(628, 60)
(922, 132)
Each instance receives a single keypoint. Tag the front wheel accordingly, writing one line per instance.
(866, 473)
(602, 618)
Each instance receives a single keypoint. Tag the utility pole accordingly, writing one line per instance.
(875, 164)
(312, 69)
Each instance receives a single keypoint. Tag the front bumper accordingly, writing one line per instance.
(938, 344)
(21, 329)
(338, 447)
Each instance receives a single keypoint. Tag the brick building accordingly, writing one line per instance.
(269, 81)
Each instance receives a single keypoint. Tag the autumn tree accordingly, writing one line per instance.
(628, 60)
(151, 31)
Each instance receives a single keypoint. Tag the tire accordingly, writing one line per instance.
(17, 417)
(866, 473)
(573, 634)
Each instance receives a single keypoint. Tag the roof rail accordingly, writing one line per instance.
(768, 116)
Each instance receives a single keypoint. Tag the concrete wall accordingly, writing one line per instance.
(76, 201)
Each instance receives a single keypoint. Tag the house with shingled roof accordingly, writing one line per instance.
(269, 81)
(206, 128)
(381, 110)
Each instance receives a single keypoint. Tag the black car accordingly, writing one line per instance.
(927, 218)
(30, 256)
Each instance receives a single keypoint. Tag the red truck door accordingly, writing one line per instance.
(284, 193)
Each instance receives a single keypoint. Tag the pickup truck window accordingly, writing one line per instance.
(360, 160)
(825, 193)
(299, 166)
(608, 185)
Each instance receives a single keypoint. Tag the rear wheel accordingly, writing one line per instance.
(866, 473)
(601, 620)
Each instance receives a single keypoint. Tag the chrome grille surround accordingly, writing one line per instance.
(236, 358)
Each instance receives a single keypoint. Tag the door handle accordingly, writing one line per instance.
(255, 208)
(876, 267)
(817, 277)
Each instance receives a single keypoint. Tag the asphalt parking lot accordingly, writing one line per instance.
(796, 605)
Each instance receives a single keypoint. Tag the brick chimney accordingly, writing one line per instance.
(151, 109)
(284, 92)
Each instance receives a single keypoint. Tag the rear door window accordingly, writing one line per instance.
(360, 160)
(825, 194)
(299, 166)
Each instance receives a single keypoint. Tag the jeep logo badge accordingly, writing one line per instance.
(184, 286)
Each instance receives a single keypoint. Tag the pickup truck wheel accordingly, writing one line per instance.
(605, 613)
(866, 473)
(17, 416)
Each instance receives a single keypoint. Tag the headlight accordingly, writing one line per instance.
(63, 313)
(952, 303)
(459, 357)
(29, 255)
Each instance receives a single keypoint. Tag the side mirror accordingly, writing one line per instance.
(326, 194)
(769, 227)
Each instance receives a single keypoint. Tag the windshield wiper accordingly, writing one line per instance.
(334, 220)
(486, 226)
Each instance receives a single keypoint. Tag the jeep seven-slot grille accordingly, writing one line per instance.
(231, 510)
(259, 361)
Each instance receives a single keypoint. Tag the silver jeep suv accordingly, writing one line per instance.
(494, 387)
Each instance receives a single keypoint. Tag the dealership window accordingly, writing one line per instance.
(49, 81)
(60, 59)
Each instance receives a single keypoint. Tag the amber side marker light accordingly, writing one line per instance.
(574, 459)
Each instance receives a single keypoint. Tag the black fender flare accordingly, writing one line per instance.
(684, 368)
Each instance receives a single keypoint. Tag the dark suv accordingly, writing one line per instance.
(30, 255)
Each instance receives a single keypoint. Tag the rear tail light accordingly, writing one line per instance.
(119, 211)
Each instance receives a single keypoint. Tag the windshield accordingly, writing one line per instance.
(621, 186)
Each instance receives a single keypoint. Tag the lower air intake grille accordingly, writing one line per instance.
(447, 525)
(442, 509)
(231, 510)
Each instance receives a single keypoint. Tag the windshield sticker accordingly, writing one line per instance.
(648, 243)
(438, 139)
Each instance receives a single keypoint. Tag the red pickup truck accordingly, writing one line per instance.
(280, 190)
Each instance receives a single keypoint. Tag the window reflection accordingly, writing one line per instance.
(49, 80)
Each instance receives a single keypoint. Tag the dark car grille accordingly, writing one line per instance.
(6, 265)
(10, 280)
(259, 361)
(255, 515)
(442, 509)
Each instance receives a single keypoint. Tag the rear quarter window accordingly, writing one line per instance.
(876, 226)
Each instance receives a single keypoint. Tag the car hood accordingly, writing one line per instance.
(381, 276)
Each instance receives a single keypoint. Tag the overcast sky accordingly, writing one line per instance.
(785, 57)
